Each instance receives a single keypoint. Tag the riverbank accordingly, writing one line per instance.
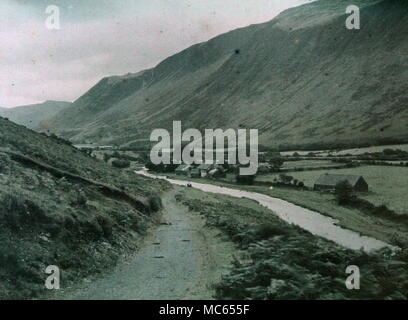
(308, 220)
(324, 203)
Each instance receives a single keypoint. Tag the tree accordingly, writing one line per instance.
(276, 163)
(285, 178)
(344, 193)
(248, 179)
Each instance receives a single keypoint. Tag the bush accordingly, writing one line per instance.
(267, 231)
(344, 193)
(80, 199)
(249, 179)
(285, 178)
(121, 164)
(17, 212)
(155, 203)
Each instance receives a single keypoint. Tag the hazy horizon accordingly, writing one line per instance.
(112, 38)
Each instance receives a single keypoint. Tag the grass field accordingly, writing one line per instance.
(387, 185)
(309, 164)
(353, 151)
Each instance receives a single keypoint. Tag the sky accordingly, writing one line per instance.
(99, 38)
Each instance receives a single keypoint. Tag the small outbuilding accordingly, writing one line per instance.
(328, 182)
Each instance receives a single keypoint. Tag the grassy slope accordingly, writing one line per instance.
(31, 115)
(59, 206)
(301, 78)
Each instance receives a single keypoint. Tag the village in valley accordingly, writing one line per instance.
(373, 174)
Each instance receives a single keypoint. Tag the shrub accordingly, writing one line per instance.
(285, 178)
(80, 199)
(344, 193)
(248, 179)
(155, 203)
(17, 212)
(267, 231)
(121, 164)
(106, 225)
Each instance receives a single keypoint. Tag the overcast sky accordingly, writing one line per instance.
(98, 38)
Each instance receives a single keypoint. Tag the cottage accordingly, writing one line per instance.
(330, 181)
(205, 169)
(183, 169)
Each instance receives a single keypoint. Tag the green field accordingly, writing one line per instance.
(387, 185)
(309, 164)
(352, 151)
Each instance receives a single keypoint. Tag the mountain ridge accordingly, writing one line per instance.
(31, 115)
(300, 79)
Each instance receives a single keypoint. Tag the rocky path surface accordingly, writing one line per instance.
(180, 260)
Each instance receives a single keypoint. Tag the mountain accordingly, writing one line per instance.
(301, 79)
(31, 115)
(60, 206)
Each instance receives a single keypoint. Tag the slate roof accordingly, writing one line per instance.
(205, 166)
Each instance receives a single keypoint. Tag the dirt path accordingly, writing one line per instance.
(181, 260)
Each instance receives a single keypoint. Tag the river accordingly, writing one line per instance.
(309, 220)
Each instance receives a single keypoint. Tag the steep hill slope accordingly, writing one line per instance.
(301, 79)
(59, 206)
(31, 115)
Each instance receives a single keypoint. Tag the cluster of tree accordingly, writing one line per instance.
(247, 179)
(342, 145)
(382, 163)
(290, 180)
(395, 152)
(161, 167)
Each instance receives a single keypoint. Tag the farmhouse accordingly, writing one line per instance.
(329, 181)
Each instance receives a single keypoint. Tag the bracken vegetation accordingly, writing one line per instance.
(281, 261)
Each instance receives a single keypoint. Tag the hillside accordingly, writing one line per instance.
(31, 115)
(60, 206)
(301, 79)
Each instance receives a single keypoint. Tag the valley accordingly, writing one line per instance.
(100, 190)
(301, 79)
